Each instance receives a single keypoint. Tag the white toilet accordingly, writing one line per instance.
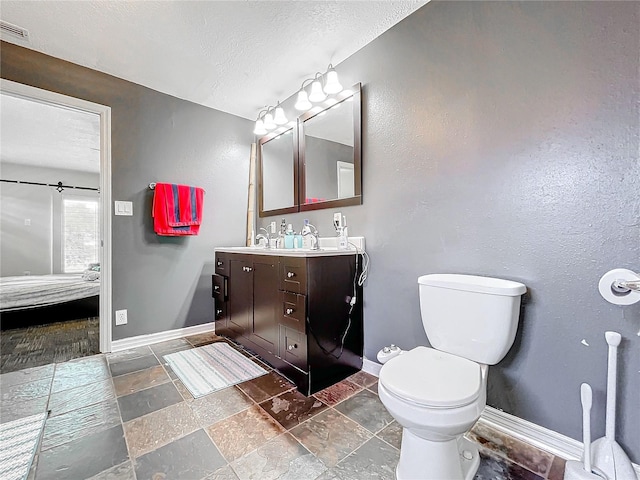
(438, 393)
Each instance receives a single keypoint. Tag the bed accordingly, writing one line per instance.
(30, 299)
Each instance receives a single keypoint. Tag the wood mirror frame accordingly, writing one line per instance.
(299, 161)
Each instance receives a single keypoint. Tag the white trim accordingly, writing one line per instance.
(64, 101)
(531, 433)
(371, 367)
(150, 339)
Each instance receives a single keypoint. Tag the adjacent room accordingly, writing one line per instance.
(49, 233)
(320, 240)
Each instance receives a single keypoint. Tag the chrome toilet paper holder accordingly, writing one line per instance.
(620, 287)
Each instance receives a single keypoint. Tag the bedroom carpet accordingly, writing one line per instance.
(52, 343)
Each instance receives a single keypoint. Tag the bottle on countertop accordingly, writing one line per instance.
(343, 238)
(288, 237)
(281, 234)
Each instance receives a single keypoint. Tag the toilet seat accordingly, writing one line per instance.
(432, 378)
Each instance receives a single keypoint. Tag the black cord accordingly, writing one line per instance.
(352, 302)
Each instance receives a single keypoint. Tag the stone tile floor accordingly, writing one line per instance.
(127, 416)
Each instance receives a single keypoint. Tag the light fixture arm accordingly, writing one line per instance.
(264, 111)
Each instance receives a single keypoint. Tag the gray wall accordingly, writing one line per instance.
(35, 248)
(165, 283)
(501, 139)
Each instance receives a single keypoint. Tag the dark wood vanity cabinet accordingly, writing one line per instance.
(295, 312)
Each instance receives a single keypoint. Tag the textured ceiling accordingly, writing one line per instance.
(235, 56)
(43, 135)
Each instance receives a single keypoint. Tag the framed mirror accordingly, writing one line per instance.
(278, 164)
(316, 164)
(330, 154)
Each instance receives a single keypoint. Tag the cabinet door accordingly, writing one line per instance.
(265, 303)
(240, 292)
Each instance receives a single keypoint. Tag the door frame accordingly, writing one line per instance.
(45, 96)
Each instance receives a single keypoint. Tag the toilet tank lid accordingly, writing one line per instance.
(473, 283)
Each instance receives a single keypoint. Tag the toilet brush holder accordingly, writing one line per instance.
(573, 469)
(608, 455)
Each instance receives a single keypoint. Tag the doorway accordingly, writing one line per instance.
(79, 213)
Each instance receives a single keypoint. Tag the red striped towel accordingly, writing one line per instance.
(177, 209)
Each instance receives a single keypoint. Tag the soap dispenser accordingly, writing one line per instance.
(288, 237)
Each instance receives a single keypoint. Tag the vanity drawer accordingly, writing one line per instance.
(293, 348)
(220, 310)
(293, 310)
(293, 274)
(222, 264)
(219, 287)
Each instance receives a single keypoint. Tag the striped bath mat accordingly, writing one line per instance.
(18, 443)
(207, 369)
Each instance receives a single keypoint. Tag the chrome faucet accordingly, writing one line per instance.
(309, 229)
(264, 237)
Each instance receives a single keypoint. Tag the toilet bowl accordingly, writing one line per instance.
(437, 394)
(435, 404)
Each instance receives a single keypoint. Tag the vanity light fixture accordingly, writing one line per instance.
(261, 128)
(332, 84)
(317, 94)
(270, 118)
(302, 103)
(279, 117)
(269, 124)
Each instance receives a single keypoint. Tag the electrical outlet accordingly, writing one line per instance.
(121, 317)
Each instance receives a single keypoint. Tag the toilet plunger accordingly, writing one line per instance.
(575, 470)
(608, 456)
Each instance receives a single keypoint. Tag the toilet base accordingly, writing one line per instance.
(456, 459)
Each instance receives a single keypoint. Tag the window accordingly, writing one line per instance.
(80, 233)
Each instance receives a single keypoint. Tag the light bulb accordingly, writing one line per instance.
(259, 130)
(280, 118)
(268, 121)
(332, 84)
(317, 95)
(302, 103)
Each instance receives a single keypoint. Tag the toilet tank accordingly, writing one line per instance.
(470, 316)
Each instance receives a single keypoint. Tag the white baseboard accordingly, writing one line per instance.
(150, 339)
(531, 433)
(371, 367)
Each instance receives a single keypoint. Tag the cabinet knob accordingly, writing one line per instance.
(289, 311)
(217, 287)
(290, 274)
(219, 263)
(218, 311)
(246, 269)
(291, 347)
